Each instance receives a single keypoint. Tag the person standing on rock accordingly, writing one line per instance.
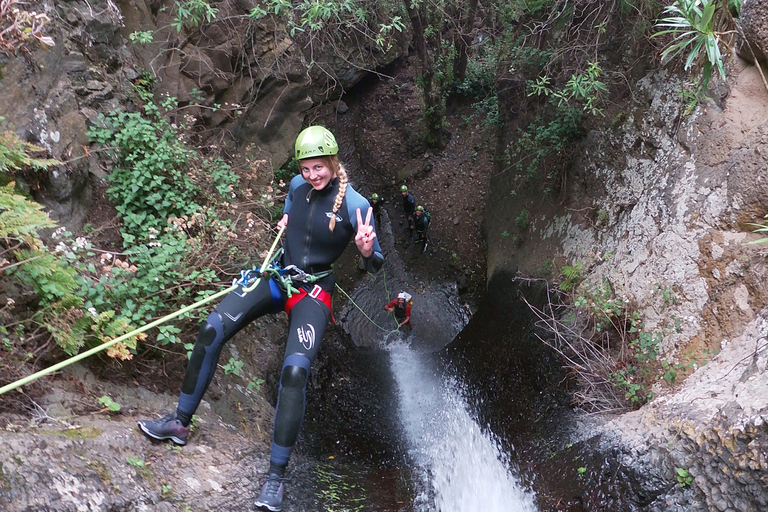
(322, 214)
(377, 203)
(421, 226)
(409, 206)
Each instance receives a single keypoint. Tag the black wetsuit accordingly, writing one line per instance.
(409, 206)
(310, 246)
(377, 206)
(421, 225)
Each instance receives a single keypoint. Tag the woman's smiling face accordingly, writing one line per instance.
(316, 172)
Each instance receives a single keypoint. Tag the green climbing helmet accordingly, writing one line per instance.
(375, 196)
(419, 208)
(403, 189)
(315, 141)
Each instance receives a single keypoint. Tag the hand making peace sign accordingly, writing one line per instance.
(365, 234)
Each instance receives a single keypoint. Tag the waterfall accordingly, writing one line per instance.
(460, 466)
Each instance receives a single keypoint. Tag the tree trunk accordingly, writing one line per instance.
(463, 42)
(433, 111)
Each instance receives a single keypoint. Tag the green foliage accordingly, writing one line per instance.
(159, 280)
(761, 227)
(156, 177)
(233, 366)
(543, 145)
(616, 348)
(142, 37)
(690, 99)
(51, 277)
(287, 172)
(16, 154)
(683, 477)
(106, 401)
(192, 13)
(480, 80)
(584, 89)
(334, 19)
(21, 218)
(694, 27)
(136, 462)
(572, 276)
(523, 220)
(255, 383)
(148, 184)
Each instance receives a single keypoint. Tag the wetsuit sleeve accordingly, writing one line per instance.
(354, 201)
(296, 181)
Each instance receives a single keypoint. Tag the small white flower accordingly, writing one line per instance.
(92, 311)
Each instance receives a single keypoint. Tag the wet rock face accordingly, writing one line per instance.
(253, 85)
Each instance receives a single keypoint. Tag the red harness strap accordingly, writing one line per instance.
(316, 293)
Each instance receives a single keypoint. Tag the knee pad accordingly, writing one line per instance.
(293, 377)
(291, 400)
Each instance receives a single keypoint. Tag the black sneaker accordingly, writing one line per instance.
(271, 496)
(167, 427)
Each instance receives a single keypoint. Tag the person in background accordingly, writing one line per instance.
(409, 205)
(377, 203)
(401, 307)
(322, 214)
(421, 226)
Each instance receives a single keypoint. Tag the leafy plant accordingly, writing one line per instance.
(108, 403)
(572, 276)
(761, 227)
(255, 383)
(21, 218)
(148, 184)
(141, 37)
(16, 154)
(233, 366)
(136, 462)
(544, 145)
(523, 220)
(694, 27)
(683, 477)
(584, 89)
(192, 13)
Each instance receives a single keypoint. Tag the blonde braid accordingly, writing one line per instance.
(343, 179)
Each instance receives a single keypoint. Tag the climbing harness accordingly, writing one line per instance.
(284, 276)
(191, 307)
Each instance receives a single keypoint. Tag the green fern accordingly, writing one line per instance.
(20, 218)
(15, 154)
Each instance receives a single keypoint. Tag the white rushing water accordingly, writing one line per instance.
(461, 467)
